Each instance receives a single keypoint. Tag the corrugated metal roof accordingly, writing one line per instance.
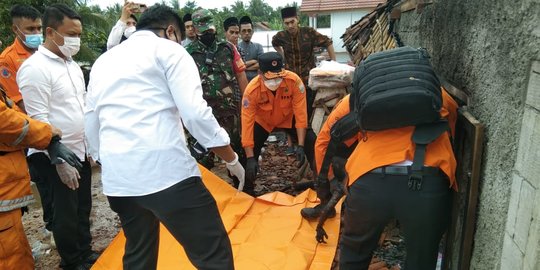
(331, 5)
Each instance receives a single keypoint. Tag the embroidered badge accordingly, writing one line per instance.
(245, 103)
(274, 63)
(5, 73)
(301, 88)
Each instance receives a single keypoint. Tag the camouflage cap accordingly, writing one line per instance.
(202, 20)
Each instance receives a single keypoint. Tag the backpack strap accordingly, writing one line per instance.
(422, 136)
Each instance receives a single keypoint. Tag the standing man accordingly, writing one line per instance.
(148, 174)
(270, 101)
(232, 32)
(125, 26)
(26, 25)
(52, 86)
(296, 45)
(17, 132)
(251, 50)
(190, 31)
(223, 79)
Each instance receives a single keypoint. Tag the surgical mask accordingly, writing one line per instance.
(129, 30)
(273, 84)
(71, 46)
(32, 41)
(207, 38)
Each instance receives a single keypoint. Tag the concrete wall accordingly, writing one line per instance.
(487, 48)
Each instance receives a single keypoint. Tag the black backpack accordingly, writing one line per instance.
(392, 89)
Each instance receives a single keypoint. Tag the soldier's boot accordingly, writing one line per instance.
(313, 213)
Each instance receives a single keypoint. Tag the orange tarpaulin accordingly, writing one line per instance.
(266, 232)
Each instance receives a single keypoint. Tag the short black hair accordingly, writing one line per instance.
(245, 20)
(160, 16)
(231, 21)
(54, 15)
(24, 11)
(134, 18)
(187, 17)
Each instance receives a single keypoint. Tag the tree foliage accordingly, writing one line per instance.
(98, 22)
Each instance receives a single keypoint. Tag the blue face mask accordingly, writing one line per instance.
(32, 41)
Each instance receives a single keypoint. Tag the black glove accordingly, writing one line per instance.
(59, 151)
(300, 155)
(252, 166)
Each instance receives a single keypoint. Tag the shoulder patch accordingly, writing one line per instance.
(245, 103)
(301, 86)
(5, 73)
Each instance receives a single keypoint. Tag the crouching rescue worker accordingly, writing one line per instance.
(17, 132)
(379, 171)
(270, 101)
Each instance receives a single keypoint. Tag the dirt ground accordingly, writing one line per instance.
(277, 173)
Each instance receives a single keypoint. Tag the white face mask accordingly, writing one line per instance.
(273, 84)
(130, 30)
(71, 46)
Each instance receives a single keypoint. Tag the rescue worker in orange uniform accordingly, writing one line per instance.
(26, 25)
(17, 132)
(270, 101)
(378, 171)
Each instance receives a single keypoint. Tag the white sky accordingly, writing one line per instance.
(202, 3)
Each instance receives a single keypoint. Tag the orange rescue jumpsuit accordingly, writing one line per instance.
(17, 132)
(273, 111)
(11, 60)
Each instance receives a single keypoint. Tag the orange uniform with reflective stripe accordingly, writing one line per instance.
(386, 147)
(17, 131)
(271, 111)
(11, 60)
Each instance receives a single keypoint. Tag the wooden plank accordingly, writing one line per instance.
(317, 120)
(462, 97)
(468, 146)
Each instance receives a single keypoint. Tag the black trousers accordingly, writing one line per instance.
(374, 199)
(188, 211)
(35, 161)
(71, 211)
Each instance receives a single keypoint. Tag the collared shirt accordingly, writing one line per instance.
(271, 110)
(252, 51)
(298, 49)
(186, 42)
(11, 60)
(135, 119)
(53, 92)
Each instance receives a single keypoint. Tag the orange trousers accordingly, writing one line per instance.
(15, 252)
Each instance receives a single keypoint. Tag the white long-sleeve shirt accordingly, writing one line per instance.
(141, 94)
(115, 36)
(53, 92)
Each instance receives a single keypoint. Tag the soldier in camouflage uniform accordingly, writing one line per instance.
(222, 77)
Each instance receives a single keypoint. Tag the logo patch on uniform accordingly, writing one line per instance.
(245, 103)
(5, 73)
(274, 63)
(301, 88)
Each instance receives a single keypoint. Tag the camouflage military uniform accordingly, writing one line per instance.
(220, 89)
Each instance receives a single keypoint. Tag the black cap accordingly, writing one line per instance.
(245, 20)
(271, 65)
(231, 21)
(187, 17)
(288, 12)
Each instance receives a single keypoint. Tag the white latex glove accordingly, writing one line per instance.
(69, 175)
(236, 169)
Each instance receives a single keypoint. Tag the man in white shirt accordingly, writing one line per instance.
(135, 127)
(126, 25)
(52, 86)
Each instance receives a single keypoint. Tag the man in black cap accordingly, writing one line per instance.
(251, 50)
(271, 101)
(296, 45)
(232, 31)
(190, 31)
